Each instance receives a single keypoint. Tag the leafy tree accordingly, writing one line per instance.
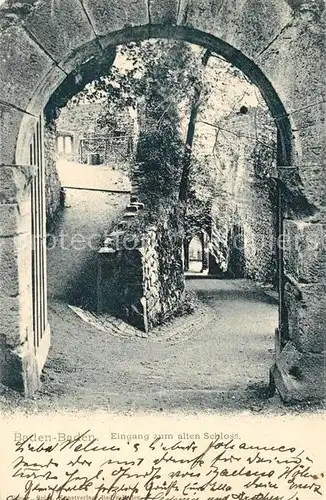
(177, 89)
(161, 80)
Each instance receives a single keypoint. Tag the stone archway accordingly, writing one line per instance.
(45, 43)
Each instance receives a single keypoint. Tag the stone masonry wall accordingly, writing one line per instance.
(141, 275)
(81, 122)
(52, 181)
(244, 216)
(140, 272)
(78, 121)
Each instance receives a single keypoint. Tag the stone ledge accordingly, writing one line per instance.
(120, 238)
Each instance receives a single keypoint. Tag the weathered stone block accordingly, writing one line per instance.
(138, 316)
(23, 65)
(304, 195)
(59, 27)
(9, 220)
(12, 251)
(31, 368)
(10, 120)
(306, 310)
(163, 11)
(11, 373)
(24, 139)
(108, 16)
(84, 53)
(47, 85)
(308, 128)
(294, 65)
(313, 178)
(236, 22)
(14, 182)
(304, 251)
(201, 14)
(287, 50)
(10, 323)
(299, 376)
(52, 181)
(240, 21)
(19, 365)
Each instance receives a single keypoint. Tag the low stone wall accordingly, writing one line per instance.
(140, 270)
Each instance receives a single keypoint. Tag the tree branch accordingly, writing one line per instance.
(184, 184)
(219, 128)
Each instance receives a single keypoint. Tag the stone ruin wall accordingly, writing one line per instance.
(140, 273)
(81, 122)
(70, 120)
(244, 215)
(78, 121)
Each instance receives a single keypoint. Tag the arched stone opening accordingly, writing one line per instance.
(65, 86)
(42, 48)
(196, 253)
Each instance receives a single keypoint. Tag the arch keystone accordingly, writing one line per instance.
(164, 11)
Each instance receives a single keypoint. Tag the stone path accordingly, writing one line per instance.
(71, 254)
(74, 174)
(214, 359)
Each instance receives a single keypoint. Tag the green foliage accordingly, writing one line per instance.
(158, 160)
(158, 71)
(159, 79)
(162, 80)
(160, 150)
